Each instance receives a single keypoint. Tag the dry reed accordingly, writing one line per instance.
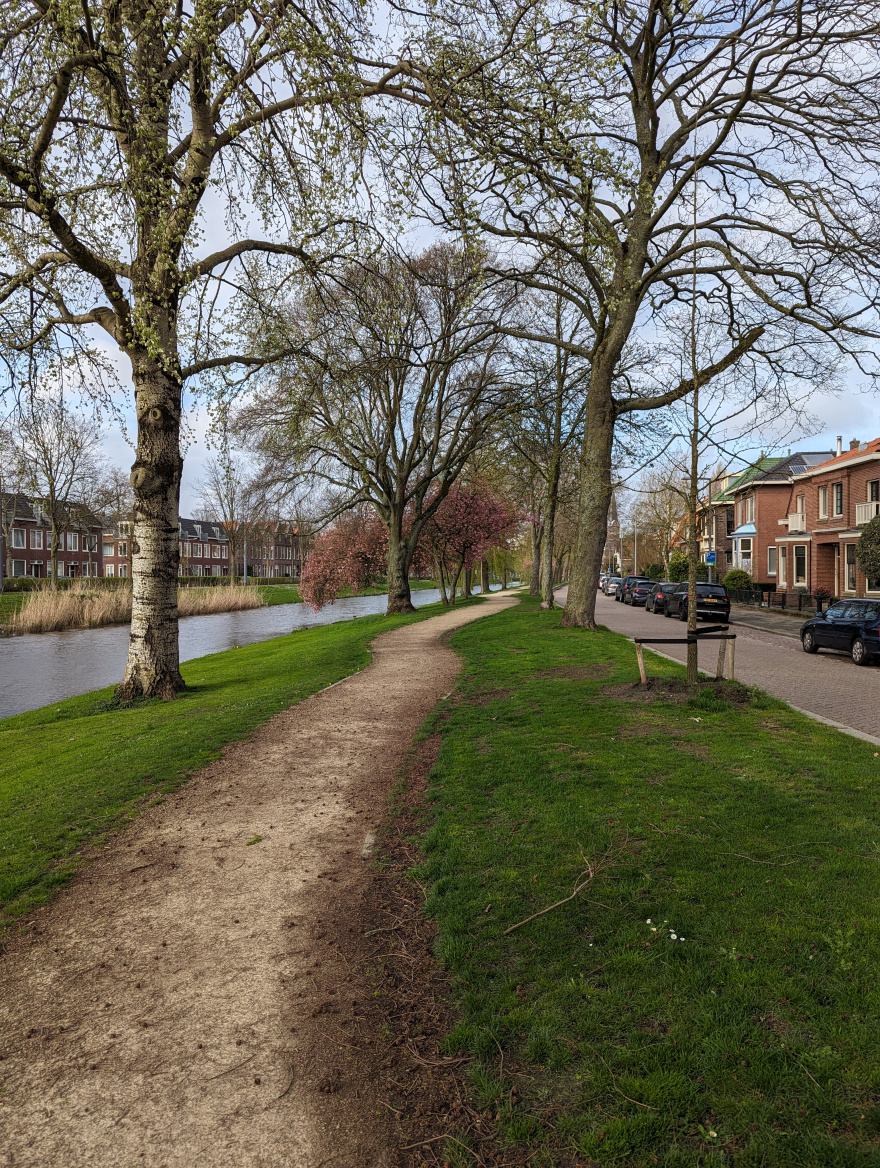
(87, 606)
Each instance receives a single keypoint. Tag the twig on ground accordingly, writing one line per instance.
(593, 868)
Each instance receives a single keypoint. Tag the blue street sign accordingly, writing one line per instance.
(710, 557)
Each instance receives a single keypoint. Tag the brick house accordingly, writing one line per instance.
(831, 503)
(273, 550)
(204, 548)
(30, 540)
(116, 548)
(762, 499)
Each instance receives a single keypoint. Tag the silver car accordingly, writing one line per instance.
(612, 585)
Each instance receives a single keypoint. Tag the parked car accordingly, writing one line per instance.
(636, 589)
(712, 602)
(627, 580)
(612, 584)
(656, 601)
(851, 626)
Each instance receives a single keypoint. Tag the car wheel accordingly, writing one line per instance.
(859, 652)
(809, 642)
(666, 611)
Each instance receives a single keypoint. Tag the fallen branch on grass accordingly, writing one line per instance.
(593, 868)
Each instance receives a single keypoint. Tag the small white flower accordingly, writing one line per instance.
(672, 935)
(714, 1135)
(648, 921)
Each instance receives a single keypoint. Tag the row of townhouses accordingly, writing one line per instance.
(794, 521)
(99, 547)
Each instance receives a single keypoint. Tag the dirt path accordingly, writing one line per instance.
(165, 1010)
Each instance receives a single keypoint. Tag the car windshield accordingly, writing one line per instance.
(711, 590)
(665, 587)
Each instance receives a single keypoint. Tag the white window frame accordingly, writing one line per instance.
(772, 558)
(750, 509)
(110, 570)
(823, 502)
(837, 491)
(123, 570)
(72, 538)
(798, 580)
(19, 538)
(783, 566)
(800, 504)
(215, 552)
(123, 549)
(36, 539)
(849, 549)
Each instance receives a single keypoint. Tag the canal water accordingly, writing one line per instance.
(40, 668)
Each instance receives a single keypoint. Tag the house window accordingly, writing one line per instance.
(61, 567)
(215, 552)
(123, 569)
(109, 550)
(197, 549)
(36, 538)
(109, 569)
(783, 566)
(874, 491)
(224, 552)
(90, 543)
(216, 570)
(18, 538)
(18, 568)
(823, 502)
(750, 509)
(123, 549)
(184, 548)
(850, 567)
(72, 541)
(800, 564)
(799, 505)
(837, 496)
(771, 561)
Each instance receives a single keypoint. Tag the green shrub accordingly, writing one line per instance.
(868, 549)
(678, 566)
(654, 572)
(737, 578)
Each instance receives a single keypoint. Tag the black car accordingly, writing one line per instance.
(656, 601)
(636, 589)
(712, 602)
(853, 626)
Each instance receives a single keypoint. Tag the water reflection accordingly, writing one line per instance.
(40, 668)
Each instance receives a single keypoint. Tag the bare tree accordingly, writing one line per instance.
(59, 449)
(573, 136)
(115, 119)
(13, 484)
(230, 497)
(396, 382)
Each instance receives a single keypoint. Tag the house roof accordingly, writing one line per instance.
(201, 529)
(761, 467)
(773, 470)
(28, 511)
(863, 450)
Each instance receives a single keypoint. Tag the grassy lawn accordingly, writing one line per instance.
(69, 772)
(10, 603)
(711, 998)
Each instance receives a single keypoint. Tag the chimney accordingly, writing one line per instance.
(839, 444)
(854, 443)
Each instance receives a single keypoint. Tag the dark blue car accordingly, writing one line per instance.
(852, 626)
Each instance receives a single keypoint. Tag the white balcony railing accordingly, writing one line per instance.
(797, 521)
(865, 512)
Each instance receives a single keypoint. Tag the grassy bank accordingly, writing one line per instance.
(711, 996)
(71, 771)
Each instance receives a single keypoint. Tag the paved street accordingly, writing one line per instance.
(828, 685)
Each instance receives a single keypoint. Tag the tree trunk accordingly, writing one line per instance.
(441, 580)
(504, 575)
(468, 582)
(399, 559)
(55, 543)
(153, 668)
(484, 576)
(593, 503)
(547, 600)
(537, 542)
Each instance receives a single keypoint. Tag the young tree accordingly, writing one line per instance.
(468, 523)
(574, 133)
(115, 120)
(230, 496)
(549, 423)
(59, 449)
(396, 380)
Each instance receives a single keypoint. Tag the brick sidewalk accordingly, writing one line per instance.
(828, 685)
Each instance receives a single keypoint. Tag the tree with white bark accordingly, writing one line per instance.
(116, 121)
